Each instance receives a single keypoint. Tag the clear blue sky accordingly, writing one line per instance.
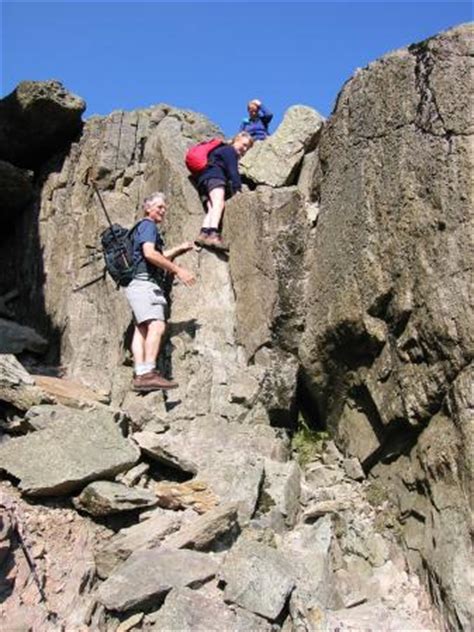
(210, 57)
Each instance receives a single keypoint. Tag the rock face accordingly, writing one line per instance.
(388, 336)
(36, 120)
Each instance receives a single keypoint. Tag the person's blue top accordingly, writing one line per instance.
(223, 164)
(146, 231)
(258, 127)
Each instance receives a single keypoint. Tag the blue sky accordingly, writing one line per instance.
(211, 57)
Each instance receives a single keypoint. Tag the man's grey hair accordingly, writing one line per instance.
(158, 196)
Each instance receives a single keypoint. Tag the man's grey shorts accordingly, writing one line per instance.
(146, 300)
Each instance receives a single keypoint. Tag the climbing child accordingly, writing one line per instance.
(258, 120)
(219, 181)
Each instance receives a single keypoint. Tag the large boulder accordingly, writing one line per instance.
(389, 320)
(276, 160)
(80, 447)
(38, 119)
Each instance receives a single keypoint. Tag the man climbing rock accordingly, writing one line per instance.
(146, 296)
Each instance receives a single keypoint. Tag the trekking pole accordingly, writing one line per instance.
(101, 202)
(105, 211)
(101, 277)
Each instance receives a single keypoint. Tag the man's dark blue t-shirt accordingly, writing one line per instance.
(146, 231)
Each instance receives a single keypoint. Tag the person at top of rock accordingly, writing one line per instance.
(219, 181)
(258, 120)
(146, 295)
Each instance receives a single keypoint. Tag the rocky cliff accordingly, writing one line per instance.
(343, 308)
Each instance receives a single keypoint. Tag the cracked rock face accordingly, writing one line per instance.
(389, 321)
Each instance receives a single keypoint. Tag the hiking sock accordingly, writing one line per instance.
(144, 367)
(140, 369)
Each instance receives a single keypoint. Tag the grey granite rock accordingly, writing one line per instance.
(281, 492)
(102, 498)
(147, 576)
(257, 578)
(217, 526)
(144, 535)
(81, 447)
(186, 609)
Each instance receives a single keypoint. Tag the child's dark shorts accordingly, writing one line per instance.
(208, 185)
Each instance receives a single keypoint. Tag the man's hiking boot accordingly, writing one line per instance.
(213, 241)
(152, 381)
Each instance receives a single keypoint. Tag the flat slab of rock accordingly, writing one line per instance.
(144, 535)
(103, 498)
(258, 578)
(147, 576)
(17, 386)
(70, 392)
(186, 609)
(82, 446)
(275, 161)
(203, 533)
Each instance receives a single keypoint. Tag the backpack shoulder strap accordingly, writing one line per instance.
(137, 224)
